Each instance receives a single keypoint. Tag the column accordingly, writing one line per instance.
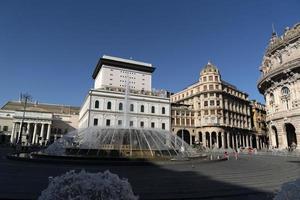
(204, 139)
(217, 139)
(20, 133)
(34, 134)
(247, 140)
(228, 140)
(210, 140)
(42, 132)
(236, 141)
(257, 142)
(223, 139)
(48, 133)
(12, 135)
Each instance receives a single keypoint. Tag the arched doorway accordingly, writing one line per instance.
(184, 135)
(207, 139)
(214, 139)
(290, 135)
(275, 137)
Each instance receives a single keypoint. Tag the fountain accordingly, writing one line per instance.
(118, 143)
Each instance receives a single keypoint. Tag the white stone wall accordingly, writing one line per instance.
(114, 114)
(117, 77)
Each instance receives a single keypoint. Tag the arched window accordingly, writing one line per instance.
(109, 105)
(96, 104)
(163, 110)
(152, 109)
(120, 106)
(142, 108)
(285, 91)
(272, 99)
(131, 108)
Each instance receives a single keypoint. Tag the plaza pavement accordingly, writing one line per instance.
(249, 177)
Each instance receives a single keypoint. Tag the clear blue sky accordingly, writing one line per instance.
(50, 48)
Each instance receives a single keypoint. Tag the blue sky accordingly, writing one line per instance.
(50, 48)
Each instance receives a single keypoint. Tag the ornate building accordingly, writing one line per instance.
(259, 126)
(40, 124)
(212, 112)
(106, 103)
(280, 84)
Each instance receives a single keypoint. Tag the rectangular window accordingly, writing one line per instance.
(205, 103)
(152, 125)
(216, 78)
(206, 112)
(211, 87)
(218, 103)
(212, 103)
(211, 94)
(163, 126)
(5, 128)
(131, 123)
(210, 78)
(95, 122)
(119, 122)
(142, 124)
(108, 122)
(205, 95)
(204, 79)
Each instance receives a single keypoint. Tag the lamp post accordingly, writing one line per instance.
(23, 98)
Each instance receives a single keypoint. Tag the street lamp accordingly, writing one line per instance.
(23, 98)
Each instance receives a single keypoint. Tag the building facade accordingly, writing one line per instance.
(40, 124)
(212, 112)
(258, 116)
(280, 85)
(123, 97)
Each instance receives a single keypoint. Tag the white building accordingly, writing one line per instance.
(280, 85)
(105, 104)
(40, 124)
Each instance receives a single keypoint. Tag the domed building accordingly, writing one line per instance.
(280, 85)
(213, 113)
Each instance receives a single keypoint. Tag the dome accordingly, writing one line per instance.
(121, 142)
(209, 67)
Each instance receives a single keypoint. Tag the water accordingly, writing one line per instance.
(122, 142)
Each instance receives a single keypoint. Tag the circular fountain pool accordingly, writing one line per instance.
(105, 143)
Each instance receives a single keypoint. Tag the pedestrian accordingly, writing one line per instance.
(226, 155)
(236, 154)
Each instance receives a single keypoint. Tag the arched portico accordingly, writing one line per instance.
(274, 137)
(184, 135)
(290, 135)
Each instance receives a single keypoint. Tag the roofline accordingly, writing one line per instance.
(39, 103)
(122, 63)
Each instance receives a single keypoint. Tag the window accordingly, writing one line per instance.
(152, 109)
(206, 112)
(119, 122)
(216, 78)
(211, 94)
(217, 87)
(120, 106)
(109, 105)
(96, 104)
(204, 79)
(152, 125)
(285, 91)
(218, 103)
(142, 108)
(210, 78)
(5, 128)
(95, 121)
(272, 99)
(142, 124)
(163, 110)
(131, 107)
(131, 123)
(205, 95)
(211, 87)
(205, 103)
(108, 122)
(211, 102)
(163, 126)
(205, 87)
